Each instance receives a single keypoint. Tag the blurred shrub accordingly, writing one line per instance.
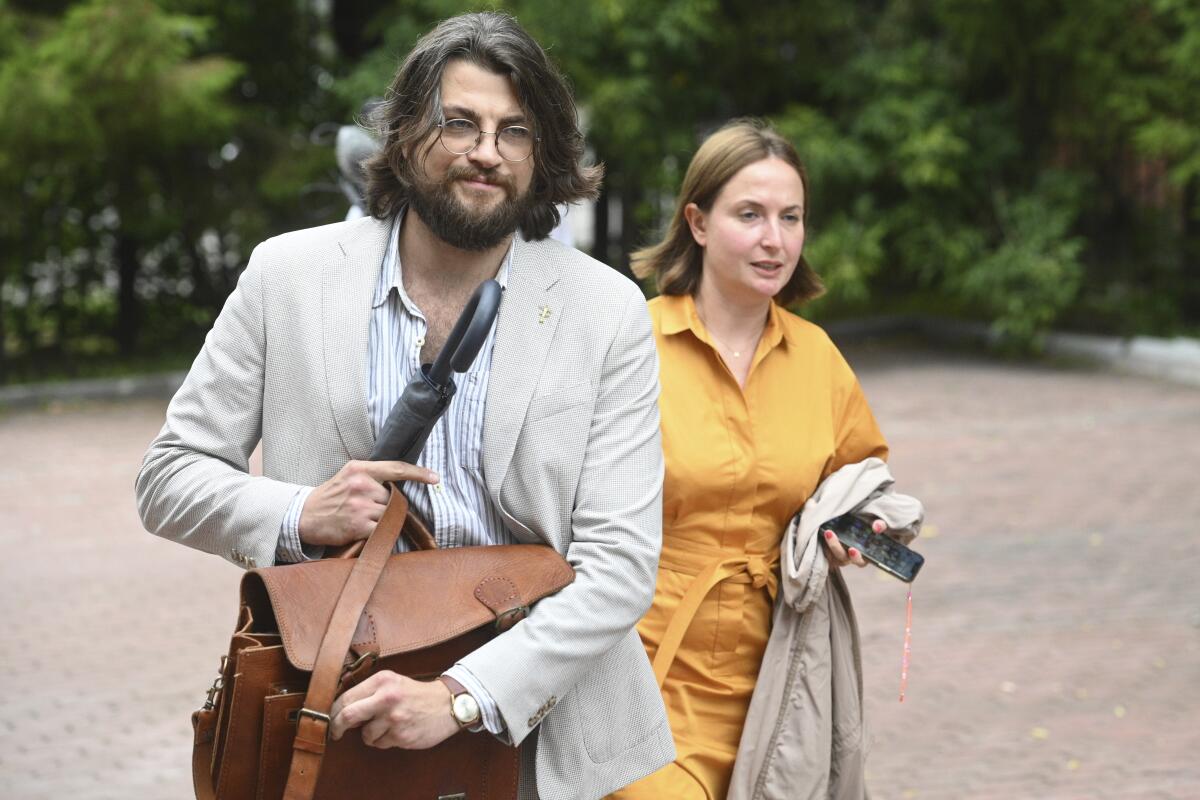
(1027, 163)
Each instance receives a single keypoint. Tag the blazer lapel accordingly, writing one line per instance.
(529, 314)
(347, 286)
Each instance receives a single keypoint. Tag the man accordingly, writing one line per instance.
(552, 438)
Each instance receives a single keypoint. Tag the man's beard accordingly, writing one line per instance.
(459, 226)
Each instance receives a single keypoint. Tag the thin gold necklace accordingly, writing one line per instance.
(736, 353)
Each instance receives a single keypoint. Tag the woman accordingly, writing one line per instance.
(758, 408)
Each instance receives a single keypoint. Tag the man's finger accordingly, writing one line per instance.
(348, 698)
(374, 490)
(356, 714)
(352, 716)
(399, 471)
(375, 733)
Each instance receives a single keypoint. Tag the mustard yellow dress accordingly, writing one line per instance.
(740, 462)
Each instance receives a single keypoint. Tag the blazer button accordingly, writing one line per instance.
(533, 721)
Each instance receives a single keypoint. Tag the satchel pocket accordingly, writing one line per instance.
(255, 671)
(278, 732)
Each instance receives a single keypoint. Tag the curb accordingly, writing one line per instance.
(28, 395)
(1176, 360)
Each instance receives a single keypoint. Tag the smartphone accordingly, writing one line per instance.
(880, 549)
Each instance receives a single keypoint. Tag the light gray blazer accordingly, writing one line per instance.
(571, 457)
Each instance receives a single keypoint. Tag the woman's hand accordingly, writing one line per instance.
(840, 556)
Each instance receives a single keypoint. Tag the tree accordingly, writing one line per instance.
(117, 120)
(157, 141)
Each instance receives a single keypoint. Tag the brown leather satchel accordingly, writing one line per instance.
(307, 632)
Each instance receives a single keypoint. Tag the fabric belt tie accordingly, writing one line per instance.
(745, 568)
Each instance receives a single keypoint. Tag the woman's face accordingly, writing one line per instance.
(754, 232)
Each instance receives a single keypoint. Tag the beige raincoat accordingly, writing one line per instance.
(805, 735)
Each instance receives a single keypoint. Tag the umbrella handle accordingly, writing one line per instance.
(468, 335)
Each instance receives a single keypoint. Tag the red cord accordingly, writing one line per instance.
(907, 645)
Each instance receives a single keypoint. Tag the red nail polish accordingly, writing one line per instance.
(853, 553)
(828, 534)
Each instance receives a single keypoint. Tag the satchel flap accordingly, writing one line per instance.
(422, 598)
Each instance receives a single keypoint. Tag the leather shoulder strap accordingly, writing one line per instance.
(312, 729)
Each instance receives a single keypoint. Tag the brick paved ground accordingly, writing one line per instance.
(1056, 648)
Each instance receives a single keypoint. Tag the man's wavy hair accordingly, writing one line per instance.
(412, 109)
(677, 262)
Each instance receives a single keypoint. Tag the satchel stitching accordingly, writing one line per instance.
(236, 723)
(284, 634)
(264, 757)
(513, 594)
(451, 633)
(307, 666)
(266, 751)
(374, 632)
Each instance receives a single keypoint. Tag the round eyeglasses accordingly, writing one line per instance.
(461, 136)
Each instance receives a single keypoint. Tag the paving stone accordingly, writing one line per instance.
(1056, 635)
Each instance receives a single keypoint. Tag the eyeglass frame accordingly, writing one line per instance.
(479, 138)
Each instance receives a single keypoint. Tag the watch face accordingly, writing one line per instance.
(466, 710)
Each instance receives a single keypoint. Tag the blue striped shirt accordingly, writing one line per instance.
(457, 509)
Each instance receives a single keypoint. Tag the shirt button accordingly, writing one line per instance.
(437, 487)
(421, 342)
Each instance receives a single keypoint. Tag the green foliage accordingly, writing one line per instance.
(1032, 271)
(133, 176)
(1029, 163)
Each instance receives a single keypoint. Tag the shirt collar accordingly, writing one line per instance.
(679, 314)
(391, 274)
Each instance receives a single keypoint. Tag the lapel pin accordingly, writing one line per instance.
(543, 314)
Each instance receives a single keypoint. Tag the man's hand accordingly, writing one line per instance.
(395, 711)
(346, 507)
(840, 556)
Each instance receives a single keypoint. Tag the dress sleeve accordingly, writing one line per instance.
(856, 434)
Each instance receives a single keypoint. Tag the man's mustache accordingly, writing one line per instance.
(483, 176)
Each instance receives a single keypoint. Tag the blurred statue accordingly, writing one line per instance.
(354, 144)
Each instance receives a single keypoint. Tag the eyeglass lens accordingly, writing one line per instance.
(461, 136)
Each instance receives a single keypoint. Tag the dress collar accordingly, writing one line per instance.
(679, 314)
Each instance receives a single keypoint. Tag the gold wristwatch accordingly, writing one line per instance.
(463, 708)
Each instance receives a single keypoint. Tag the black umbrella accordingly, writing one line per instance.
(425, 399)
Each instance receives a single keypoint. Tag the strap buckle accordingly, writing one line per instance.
(318, 716)
(506, 619)
(353, 666)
